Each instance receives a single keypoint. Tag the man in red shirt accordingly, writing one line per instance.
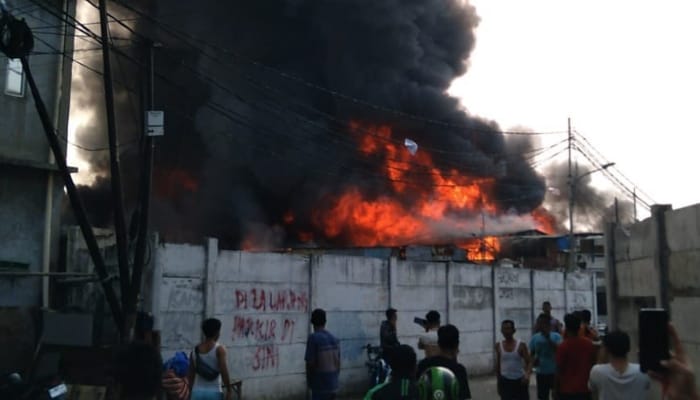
(575, 358)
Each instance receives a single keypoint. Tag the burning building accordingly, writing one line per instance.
(302, 123)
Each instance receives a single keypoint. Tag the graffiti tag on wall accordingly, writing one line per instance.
(266, 319)
(271, 300)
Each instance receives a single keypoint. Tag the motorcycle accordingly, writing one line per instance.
(13, 387)
(378, 369)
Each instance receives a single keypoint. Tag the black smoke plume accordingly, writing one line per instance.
(593, 206)
(251, 137)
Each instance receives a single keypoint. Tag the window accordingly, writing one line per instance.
(14, 82)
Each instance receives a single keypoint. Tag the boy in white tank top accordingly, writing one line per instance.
(513, 365)
(207, 379)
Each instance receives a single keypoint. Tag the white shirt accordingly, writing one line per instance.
(612, 385)
(429, 340)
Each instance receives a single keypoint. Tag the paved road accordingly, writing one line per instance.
(483, 388)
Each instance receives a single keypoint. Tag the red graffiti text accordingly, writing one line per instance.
(271, 300)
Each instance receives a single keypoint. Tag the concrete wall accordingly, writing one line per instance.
(264, 301)
(24, 158)
(655, 264)
(683, 235)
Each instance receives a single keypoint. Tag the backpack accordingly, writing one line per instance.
(203, 369)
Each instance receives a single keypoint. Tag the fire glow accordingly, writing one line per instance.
(421, 204)
(441, 202)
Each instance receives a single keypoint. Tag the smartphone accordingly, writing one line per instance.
(653, 339)
(420, 321)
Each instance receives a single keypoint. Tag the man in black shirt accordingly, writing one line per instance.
(448, 341)
(387, 333)
(403, 373)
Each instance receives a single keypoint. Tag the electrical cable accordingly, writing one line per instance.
(383, 177)
(315, 86)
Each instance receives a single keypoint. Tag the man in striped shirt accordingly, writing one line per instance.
(322, 359)
(403, 373)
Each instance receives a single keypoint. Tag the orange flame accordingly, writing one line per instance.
(174, 183)
(442, 197)
(482, 250)
(288, 218)
(545, 220)
(248, 244)
(306, 237)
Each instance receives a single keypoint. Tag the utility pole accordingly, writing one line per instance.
(76, 203)
(634, 204)
(117, 194)
(572, 187)
(144, 197)
(483, 231)
(17, 41)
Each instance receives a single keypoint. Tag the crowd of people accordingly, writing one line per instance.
(570, 360)
(566, 359)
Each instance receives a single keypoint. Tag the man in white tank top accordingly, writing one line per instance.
(206, 379)
(513, 366)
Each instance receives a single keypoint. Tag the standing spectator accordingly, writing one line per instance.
(448, 342)
(587, 330)
(554, 323)
(428, 342)
(137, 372)
(575, 358)
(402, 385)
(208, 367)
(387, 333)
(618, 379)
(543, 348)
(322, 359)
(512, 365)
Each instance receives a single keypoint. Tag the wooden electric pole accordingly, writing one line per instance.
(117, 193)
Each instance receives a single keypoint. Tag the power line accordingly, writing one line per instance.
(544, 161)
(611, 177)
(342, 138)
(243, 122)
(629, 181)
(312, 85)
(261, 86)
(214, 82)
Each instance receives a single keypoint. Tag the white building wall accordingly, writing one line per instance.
(264, 301)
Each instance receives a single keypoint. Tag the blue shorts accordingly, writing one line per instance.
(204, 394)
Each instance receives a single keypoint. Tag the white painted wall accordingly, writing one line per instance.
(264, 301)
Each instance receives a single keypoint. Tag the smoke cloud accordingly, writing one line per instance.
(246, 145)
(593, 207)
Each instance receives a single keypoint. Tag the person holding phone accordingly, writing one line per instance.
(543, 347)
(428, 342)
(678, 381)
